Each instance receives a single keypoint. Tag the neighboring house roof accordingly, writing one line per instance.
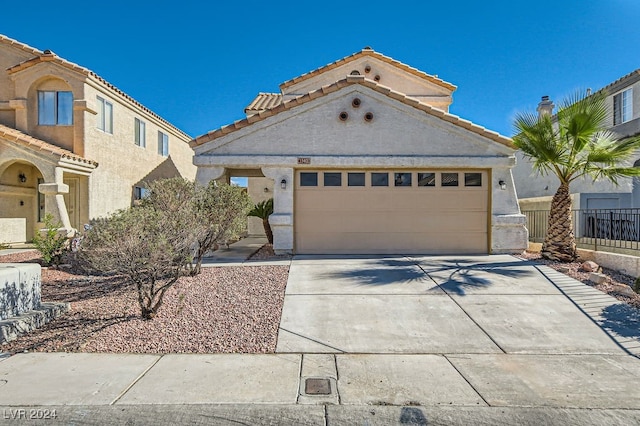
(622, 82)
(264, 101)
(367, 51)
(35, 144)
(49, 56)
(350, 80)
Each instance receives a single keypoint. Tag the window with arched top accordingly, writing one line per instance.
(51, 102)
(55, 108)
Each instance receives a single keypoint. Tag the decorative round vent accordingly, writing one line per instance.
(355, 72)
(377, 77)
(343, 116)
(368, 116)
(355, 103)
(367, 69)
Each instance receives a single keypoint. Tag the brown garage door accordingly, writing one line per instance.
(391, 211)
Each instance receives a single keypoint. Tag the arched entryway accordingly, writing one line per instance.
(22, 207)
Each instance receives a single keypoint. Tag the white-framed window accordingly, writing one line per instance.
(623, 107)
(163, 144)
(139, 131)
(105, 115)
(55, 108)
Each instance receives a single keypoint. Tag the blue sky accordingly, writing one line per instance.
(198, 64)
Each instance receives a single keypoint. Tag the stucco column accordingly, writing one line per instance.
(204, 175)
(508, 226)
(282, 218)
(53, 193)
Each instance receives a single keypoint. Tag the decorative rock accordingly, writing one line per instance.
(596, 278)
(563, 269)
(590, 266)
(624, 290)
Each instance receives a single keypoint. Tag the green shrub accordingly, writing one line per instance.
(636, 285)
(151, 247)
(50, 242)
(263, 210)
(218, 211)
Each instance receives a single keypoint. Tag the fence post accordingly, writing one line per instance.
(595, 240)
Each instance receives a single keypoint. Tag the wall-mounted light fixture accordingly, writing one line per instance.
(503, 185)
(22, 178)
(266, 190)
(283, 184)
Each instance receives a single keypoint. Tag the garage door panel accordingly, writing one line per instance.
(391, 219)
(347, 200)
(386, 243)
(398, 221)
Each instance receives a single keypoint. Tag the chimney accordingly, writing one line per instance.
(545, 107)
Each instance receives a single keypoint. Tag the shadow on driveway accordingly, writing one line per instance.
(458, 274)
(622, 319)
(380, 272)
(462, 274)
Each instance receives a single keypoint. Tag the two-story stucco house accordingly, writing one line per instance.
(73, 145)
(362, 156)
(535, 191)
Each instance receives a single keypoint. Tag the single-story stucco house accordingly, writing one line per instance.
(364, 158)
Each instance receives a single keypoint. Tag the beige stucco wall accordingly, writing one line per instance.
(390, 76)
(8, 58)
(396, 129)
(399, 136)
(256, 190)
(123, 164)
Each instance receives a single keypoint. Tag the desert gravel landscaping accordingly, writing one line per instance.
(231, 309)
(224, 309)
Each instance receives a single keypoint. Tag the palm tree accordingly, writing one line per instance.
(263, 210)
(574, 143)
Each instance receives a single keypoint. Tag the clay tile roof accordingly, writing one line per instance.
(264, 101)
(35, 144)
(349, 80)
(49, 56)
(367, 51)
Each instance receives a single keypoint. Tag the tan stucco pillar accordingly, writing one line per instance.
(282, 218)
(508, 226)
(54, 196)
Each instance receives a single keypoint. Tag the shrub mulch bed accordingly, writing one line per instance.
(224, 309)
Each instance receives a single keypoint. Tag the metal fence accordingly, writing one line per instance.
(593, 228)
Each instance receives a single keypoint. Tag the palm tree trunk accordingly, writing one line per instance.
(560, 242)
(267, 230)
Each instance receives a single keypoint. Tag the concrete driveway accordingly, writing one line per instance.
(431, 305)
(457, 330)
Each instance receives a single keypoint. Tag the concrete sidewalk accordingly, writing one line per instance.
(239, 252)
(378, 389)
(384, 340)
